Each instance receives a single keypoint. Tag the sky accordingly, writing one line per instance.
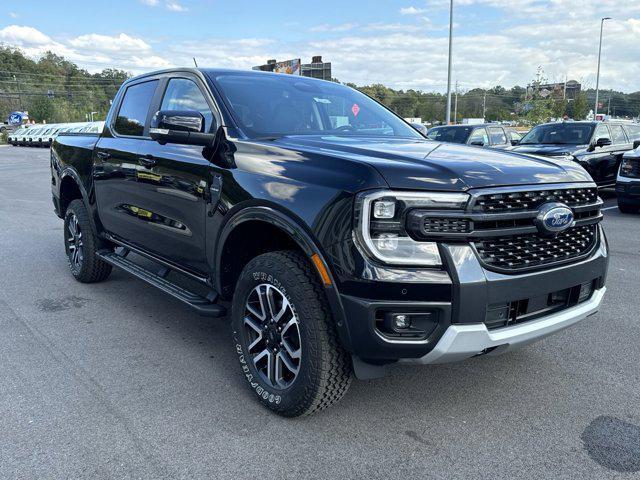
(401, 44)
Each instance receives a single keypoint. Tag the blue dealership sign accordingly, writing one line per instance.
(15, 118)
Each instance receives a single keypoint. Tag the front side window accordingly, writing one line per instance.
(134, 109)
(478, 136)
(514, 136)
(497, 136)
(278, 105)
(601, 132)
(183, 94)
(617, 134)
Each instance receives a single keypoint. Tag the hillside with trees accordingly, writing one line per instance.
(54, 89)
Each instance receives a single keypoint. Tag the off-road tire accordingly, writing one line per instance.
(325, 370)
(90, 269)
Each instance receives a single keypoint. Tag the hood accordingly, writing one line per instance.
(548, 149)
(426, 165)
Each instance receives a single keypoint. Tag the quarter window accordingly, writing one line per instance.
(134, 109)
(183, 94)
(633, 132)
(497, 136)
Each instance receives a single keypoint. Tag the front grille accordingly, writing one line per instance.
(530, 200)
(520, 252)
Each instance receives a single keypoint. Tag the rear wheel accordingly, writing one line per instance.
(285, 336)
(81, 245)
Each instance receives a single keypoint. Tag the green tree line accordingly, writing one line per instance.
(54, 89)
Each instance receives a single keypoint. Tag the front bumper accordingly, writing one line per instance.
(463, 298)
(628, 190)
(460, 342)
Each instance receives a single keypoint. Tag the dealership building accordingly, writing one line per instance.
(316, 69)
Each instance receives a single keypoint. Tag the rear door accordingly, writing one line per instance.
(116, 165)
(175, 182)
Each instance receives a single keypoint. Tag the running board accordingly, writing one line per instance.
(204, 306)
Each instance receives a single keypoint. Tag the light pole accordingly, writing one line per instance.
(595, 108)
(448, 116)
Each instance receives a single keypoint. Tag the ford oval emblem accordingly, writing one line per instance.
(554, 218)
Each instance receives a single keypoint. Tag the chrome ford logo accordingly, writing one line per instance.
(554, 218)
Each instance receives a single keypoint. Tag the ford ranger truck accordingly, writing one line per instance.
(334, 237)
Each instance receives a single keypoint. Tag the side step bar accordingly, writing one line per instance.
(204, 306)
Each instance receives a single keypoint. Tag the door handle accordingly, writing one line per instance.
(103, 155)
(147, 161)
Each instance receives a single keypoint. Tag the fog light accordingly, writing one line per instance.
(401, 321)
(387, 242)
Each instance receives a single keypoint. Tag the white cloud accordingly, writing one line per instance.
(13, 15)
(176, 7)
(342, 27)
(151, 3)
(106, 43)
(411, 53)
(412, 11)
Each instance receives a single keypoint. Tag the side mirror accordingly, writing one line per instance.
(515, 142)
(636, 144)
(603, 142)
(477, 143)
(180, 126)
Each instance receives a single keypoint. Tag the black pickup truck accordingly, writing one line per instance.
(335, 238)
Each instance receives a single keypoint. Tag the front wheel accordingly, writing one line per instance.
(626, 208)
(285, 337)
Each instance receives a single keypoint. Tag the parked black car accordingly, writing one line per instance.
(491, 135)
(597, 146)
(341, 239)
(628, 183)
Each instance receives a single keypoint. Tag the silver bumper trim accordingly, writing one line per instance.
(463, 341)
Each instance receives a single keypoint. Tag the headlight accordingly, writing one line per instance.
(381, 219)
(626, 168)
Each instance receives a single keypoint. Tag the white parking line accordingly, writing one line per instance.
(609, 208)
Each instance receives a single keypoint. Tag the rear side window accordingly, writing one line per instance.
(617, 134)
(134, 109)
(183, 94)
(497, 136)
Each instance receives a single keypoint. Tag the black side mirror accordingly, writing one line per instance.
(515, 142)
(636, 144)
(603, 142)
(180, 126)
(477, 143)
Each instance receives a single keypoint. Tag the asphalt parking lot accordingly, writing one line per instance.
(115, 380)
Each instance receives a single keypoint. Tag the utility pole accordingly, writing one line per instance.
(19, 93)
(609, 106)
(448, 115)
(455, 109)
(595, 108)
(484, 105)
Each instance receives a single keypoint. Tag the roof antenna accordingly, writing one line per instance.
(194, 61)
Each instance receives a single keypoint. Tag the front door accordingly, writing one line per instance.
(175, 185)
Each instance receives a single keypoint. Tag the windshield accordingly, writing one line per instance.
(450, 134)
(559, 134)
(278, 105)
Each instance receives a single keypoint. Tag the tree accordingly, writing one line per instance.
(579, 107)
